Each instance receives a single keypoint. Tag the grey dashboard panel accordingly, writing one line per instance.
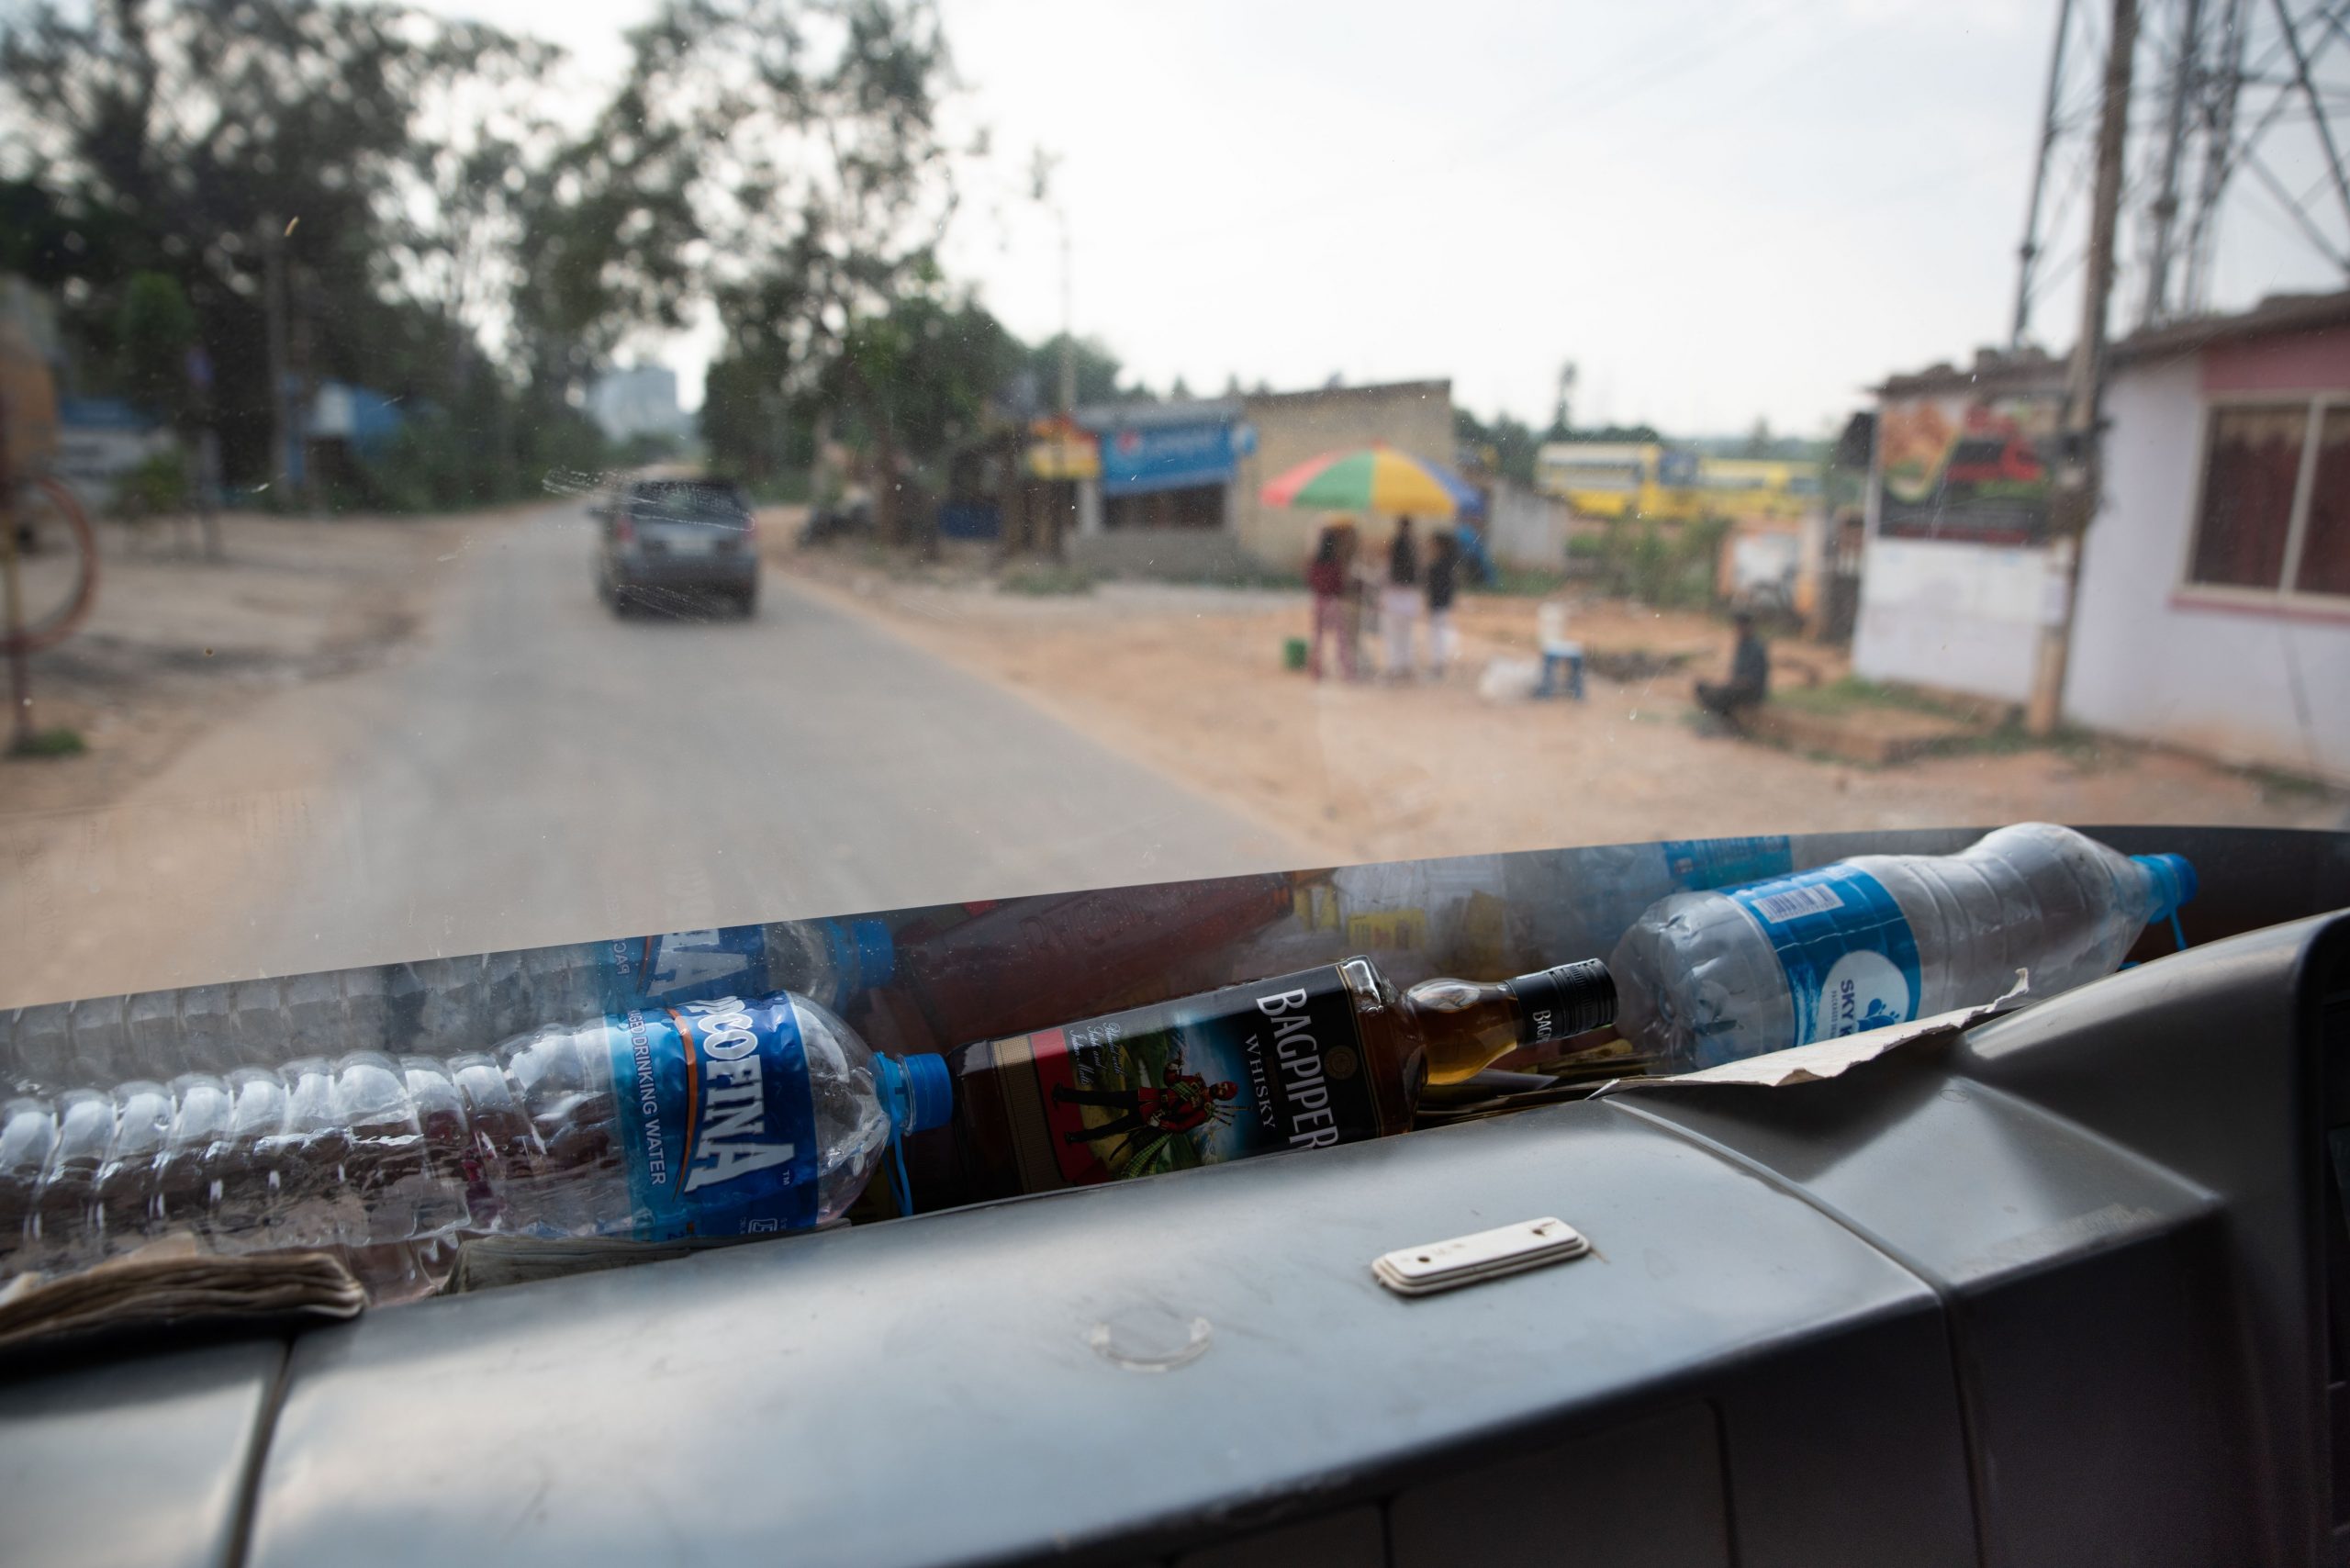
(2111, 1192)
(140, 1462)
(1133, 1370)
(2218, 1064)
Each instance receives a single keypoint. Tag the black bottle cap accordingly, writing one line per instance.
(1564, 1000)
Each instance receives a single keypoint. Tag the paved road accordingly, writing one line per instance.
(534, 770)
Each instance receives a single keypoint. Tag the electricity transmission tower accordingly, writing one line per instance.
(2241, 112)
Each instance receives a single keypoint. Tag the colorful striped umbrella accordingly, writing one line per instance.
(1372, 478)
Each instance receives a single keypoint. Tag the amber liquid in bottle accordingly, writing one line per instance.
(1326, 1056)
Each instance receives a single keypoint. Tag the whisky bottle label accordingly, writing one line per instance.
(1256, 1069)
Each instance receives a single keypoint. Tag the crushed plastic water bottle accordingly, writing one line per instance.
(1708, 978)
(715, 1117)
(437, 1005)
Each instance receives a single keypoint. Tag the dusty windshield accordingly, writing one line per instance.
(1176, 443)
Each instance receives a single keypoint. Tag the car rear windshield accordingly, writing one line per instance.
(688, 500)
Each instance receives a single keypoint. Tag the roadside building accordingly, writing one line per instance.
(1175, 493)
(1415, 417)
(1161, 501)
(2214, 607)
(640, 400)
(100, 442)
(1524, 528)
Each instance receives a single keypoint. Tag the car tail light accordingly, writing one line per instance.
(623, 530)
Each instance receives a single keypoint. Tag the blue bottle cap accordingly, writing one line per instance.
(2173, 877)
(917, 1091)
(934, 1092)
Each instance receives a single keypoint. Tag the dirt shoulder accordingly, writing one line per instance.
(176, 642)
(1190, 681)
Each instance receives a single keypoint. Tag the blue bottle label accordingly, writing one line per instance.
(1696, 864)
(684, 965)
(1847, 952)
(717, 1118)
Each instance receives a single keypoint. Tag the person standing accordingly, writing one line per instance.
(1444, 567)
(1327, 577)
(1399, 607)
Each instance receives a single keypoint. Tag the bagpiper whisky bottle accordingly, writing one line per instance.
(1327, 1056)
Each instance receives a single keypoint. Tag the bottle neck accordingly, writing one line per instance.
(1562, 1001)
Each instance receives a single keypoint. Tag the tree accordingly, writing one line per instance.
(1508, 445)
(186, 140)
(1758, 441)
(785, 157)
(1563, 410)
(1098, 374)
(154, 332)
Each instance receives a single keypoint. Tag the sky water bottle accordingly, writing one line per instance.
(715, 1117)
(1708, 978)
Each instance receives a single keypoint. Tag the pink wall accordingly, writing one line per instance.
(2289, 362)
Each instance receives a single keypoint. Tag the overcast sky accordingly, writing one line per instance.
(1719, 212)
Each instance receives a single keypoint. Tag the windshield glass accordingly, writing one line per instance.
(1173, 443)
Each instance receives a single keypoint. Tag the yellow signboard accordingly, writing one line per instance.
(1060, 450)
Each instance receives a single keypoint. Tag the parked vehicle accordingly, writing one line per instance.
(670, 539)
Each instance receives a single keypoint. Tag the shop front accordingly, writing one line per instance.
(1164, 500)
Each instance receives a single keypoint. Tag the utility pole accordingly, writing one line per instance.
(281, 424)
(1069, 326)
(2072, 500)
(12, 604)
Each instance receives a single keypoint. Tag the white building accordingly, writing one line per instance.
(2214, 610)
(640, 400)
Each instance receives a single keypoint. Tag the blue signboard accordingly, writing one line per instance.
(1138, 459)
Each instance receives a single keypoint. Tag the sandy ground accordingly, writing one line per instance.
(177, 643)
(1189, 680)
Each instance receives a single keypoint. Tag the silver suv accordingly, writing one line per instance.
(670, 539)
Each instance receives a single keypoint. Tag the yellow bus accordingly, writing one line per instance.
(1612, 479)
(1759, 487)
(1671, 484)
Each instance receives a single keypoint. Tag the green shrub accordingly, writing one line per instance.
(157, 487)
(57, 740)
(1043, 578)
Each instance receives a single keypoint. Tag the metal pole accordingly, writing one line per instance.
(12, 612)
(2218, 157)
(2079, 473)
(273, 249)
(1068, 391)
(2185, 62)
(1069, 328)
(2317, 105)
(2029, 251)
(20, 678)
